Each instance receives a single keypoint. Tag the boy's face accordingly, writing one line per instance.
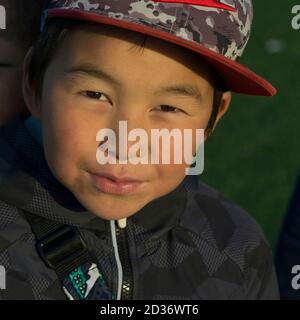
(78, 100)
(11, 59)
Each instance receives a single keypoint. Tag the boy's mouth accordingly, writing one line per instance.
(108, 183)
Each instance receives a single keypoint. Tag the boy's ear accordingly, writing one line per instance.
(224, 105)
(29, 92)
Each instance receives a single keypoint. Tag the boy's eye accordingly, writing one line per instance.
(94, 95)
(167, 108)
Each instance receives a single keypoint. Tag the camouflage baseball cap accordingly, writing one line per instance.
(217, 30)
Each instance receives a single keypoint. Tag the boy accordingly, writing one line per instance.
(21, 27)
(74, 229)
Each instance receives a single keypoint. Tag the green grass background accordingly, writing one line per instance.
(253, 156)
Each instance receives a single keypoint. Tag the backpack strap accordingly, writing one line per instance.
(63, 250)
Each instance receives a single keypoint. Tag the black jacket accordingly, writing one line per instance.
(190, 244)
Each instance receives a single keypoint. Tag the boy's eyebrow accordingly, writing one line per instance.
(96, 73)
(187, 90)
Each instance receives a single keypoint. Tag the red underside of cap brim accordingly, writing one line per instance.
(238, 78)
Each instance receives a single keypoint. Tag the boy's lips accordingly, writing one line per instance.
(109, 183)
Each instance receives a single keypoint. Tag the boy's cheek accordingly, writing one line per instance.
(69, 151)
(169, 177)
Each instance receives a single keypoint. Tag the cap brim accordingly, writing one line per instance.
(238, 78)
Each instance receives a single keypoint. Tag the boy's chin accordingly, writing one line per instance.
(115, 212)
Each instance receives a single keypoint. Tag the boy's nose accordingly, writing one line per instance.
(129, 126)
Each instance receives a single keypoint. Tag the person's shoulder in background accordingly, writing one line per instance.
(22, 21)
(288, 250)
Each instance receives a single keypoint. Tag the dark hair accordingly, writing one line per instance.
(48, 42)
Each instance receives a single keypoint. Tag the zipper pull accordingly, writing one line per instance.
(122, 223)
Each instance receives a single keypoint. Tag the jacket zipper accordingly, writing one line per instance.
(125, 276)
